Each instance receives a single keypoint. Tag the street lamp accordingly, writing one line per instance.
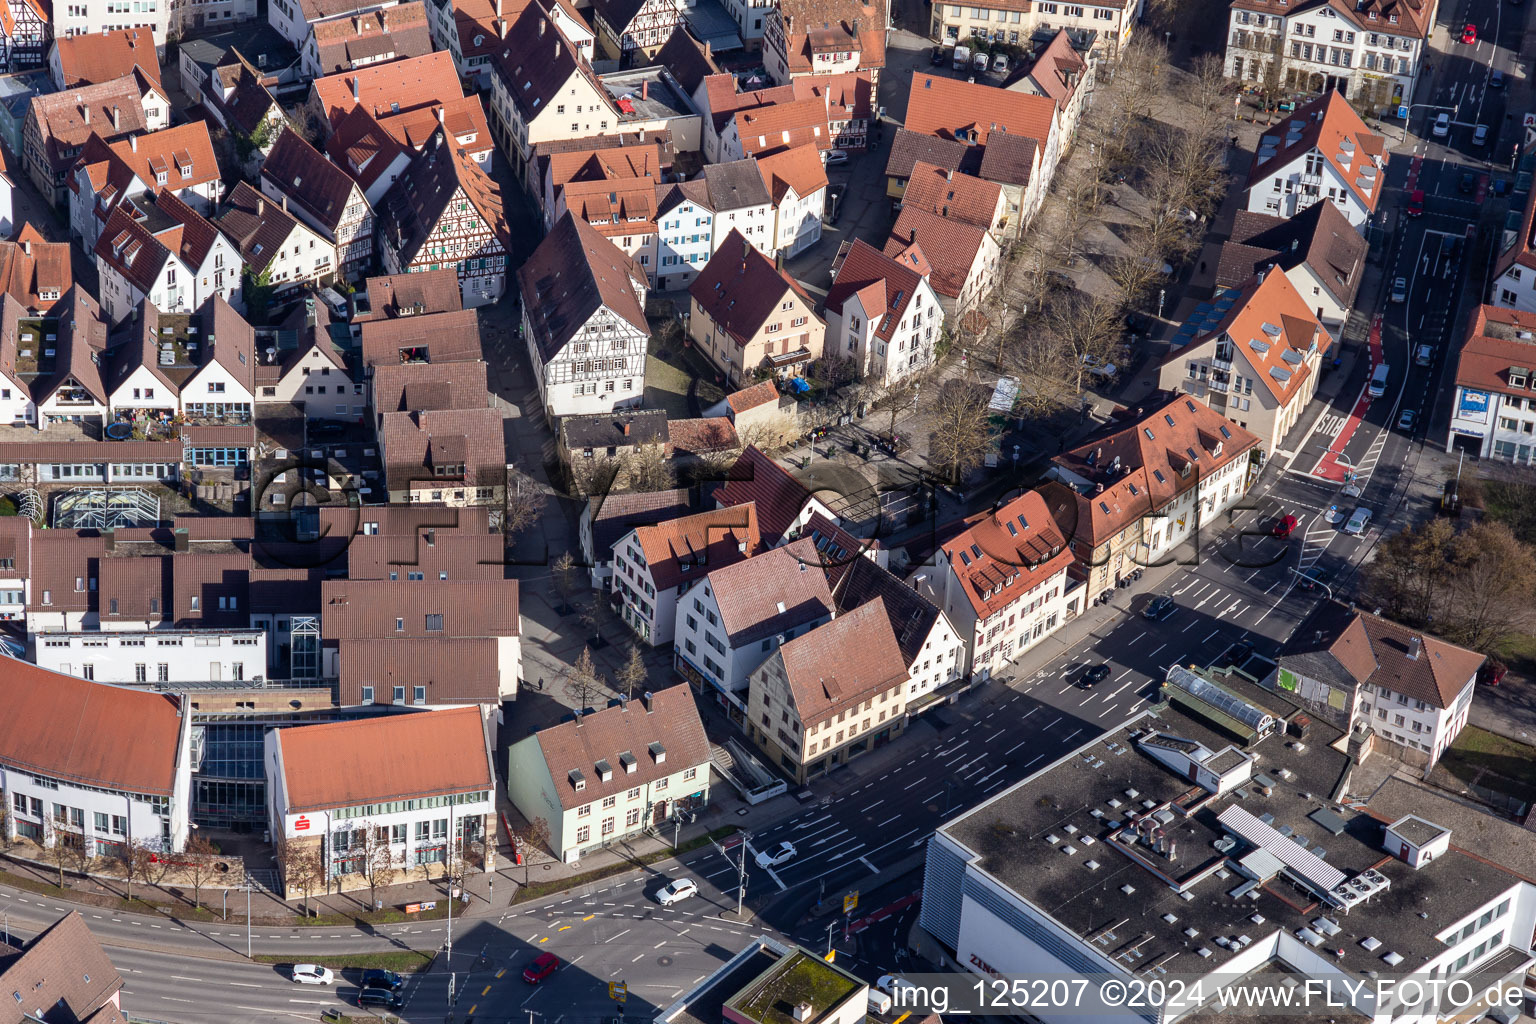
(1313, 580)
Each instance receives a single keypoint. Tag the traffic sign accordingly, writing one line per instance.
(1402, 113)
(618, 990)
(850, 901)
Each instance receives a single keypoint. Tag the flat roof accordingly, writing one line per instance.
(659, 102)
(1062, 840)
(797, 978)
(706, 1005)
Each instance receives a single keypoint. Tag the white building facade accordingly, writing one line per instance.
(119, 653)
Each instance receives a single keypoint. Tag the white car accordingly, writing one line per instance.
(1399, 289)
(678, 889)
(1358, 520)
(312, 974)
(893, 985)
(837, 156)
(780, 854)
(1442, 126)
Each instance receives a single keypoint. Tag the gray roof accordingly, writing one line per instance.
(735, 185)
(622, 429)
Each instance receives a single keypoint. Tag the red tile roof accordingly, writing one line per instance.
(951, 194)
(758, 394)
(1275, 329)
(1002, 555)
(31, 266)
(955, 109)
(463, 118)
(102, 56)
(671, 721)
(950, 248)
(432, 447)
(431, 291)
(818, 26)
(849, 96)
(702, 436)
(183, 153)
(446, 337)
(64, 974)
(373, 609)
(574, 272)
(778, 497)
(793, 123)
(362, 147)
(382, 759)
(825, 680)
(114, 737)
(623, 206)
(684, 549)
(402, 387)
(798, 167)
(618, 162)
(1330, 126)
(389, 33)
(782, 588)
(1058, 70)
(453, 671)
(740, 288)
(1494, 347)
(385, 89)
(1409, 18)
(882, 284)
(67, 119)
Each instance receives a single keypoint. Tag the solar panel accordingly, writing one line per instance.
(1230, 703)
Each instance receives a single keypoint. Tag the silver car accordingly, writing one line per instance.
(1359, 519)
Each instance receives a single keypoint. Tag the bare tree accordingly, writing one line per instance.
(563, 575)
(199, 866)
(5, 820)
(533, 835)
(378, 860)
(961, 435)
(1408, 574)
(1087, 331)
(583, 684)
(301, 865)
(524, 503)
(145, 861)
(634, 672)
(1494, 579)
(647, 468)
(897, 399)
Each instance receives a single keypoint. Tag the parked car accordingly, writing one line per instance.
(979, 62)
(879, 1002)
(1095, 675)
(781, 854)
(892, 984)
(387, 998)
(1000, 63)
(1406, 419)
(312, 974)
(1399, 289)
(1480, 135)
(837, 156)
(962, 57)
(319, 430)
(1416, 203)
(676, 890)
(1492, 673)
(542, 967)
(1496, 80)
(1359, 519)
(1442, 126)
(938, 57)
(1160, 607)
(1285, 526)
(1467, 182)
(1469, 33)
(377, 977)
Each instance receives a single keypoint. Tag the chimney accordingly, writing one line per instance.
(133, 141)
(645, 698)
(85, 113)
(180, 535)
(913, 233)
(498, 8)
(109, 535)
(26, 246)
(355, 97)
(440, 114)
(357, 23)
(541, 27)
(557, 49)
(802, 1012)
(261, 207)
(778, 261)
(384, 20)
(501, 28)
(1414, 647)
(626, 428)
(949, 175)
(117, 118)
(285, 202)
(645, 89)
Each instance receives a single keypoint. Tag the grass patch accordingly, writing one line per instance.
(1519, 653)
(1485, 761)
(540, 889)
(401, 961)
(386, 916)
(802, 979)
(666, 387)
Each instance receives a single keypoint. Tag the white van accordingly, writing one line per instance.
(962, 57)
(1379, 381)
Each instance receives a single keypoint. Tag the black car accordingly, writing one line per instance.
(317, 429)
(375, 977)
(1467, 182)
(937, 57)
(380, 997)
(1096, 674)
(1160, 607)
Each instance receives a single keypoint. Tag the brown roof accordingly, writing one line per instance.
(391, 87)
(908, 147)
(1139, 465)
(817, 26)
(256, 225)
(681, 550)
(771, 128)
(82, 339)
(310, 181)
(66, 119)
(616, 162)
(32, 265)
(882, 284)
(363, 148)
(371, 609)
(442, 173)
(740, 288)
(536, 61)
(621, 206)
(951, 108)
(1010, 159)
(102, 56)
(689, 62)
(757, 480)
(113, 737)
(962, 197)
(798, 167)
(761, 393)
(1330, 126)
(382, 35)
(1339, 643)
(64, 974)
(453, 671)
(127, 246)
(1058, 69)
(858, 580)
(465, 555)
(612, 515)
(1002, 555)
(435, 446)
(574, 272)
(463, 118)
(382, 759)
(402, 387)
(1319, 236)
(194, 233)
(431, 291)
(663, 739)
(950, 248)
(446, 337)
(849, 95)
(724, 101)
(824, 679)
(1494, 347)
(242, 98)
(1275, 329)
(701, 436)
(1409, 18)
(780, 589)
(183, 153)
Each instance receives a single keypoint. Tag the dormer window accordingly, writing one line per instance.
(658, 753)
(628, 762)
(604, 771)
(1517, 376)
(578, 780)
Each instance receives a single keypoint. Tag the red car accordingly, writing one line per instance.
(1416, 203)
(1285, 526)
(541, 968)
(1469, 34)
